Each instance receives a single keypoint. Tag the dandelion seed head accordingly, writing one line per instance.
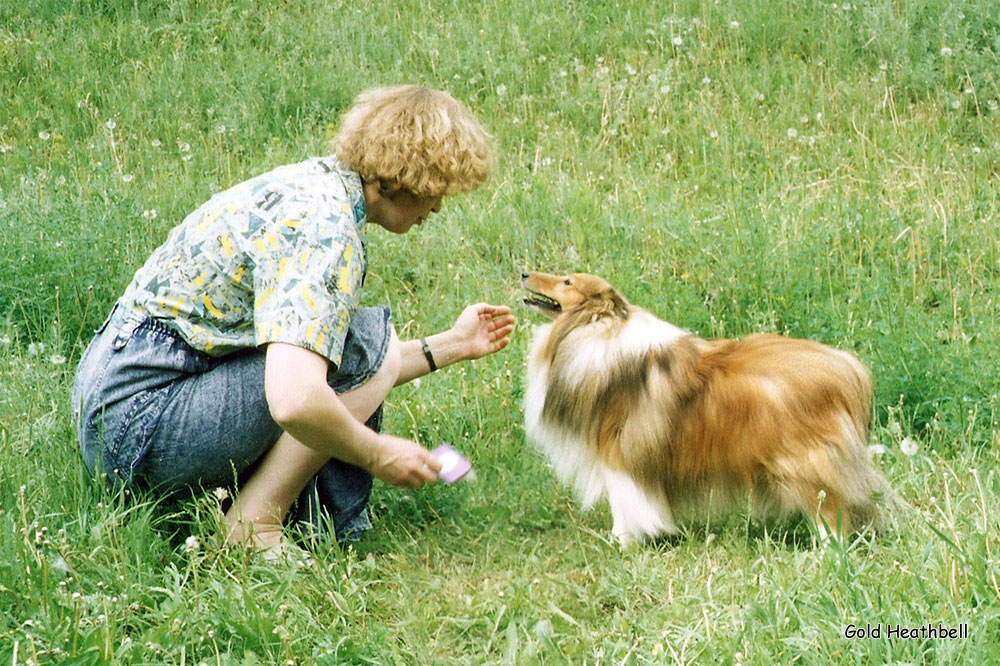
(908, 446)
(792, 133)
(734, 25)
(946, 51)
(44, 136)
(57, 359)
(191, 544)
(111, 124)
(127, 178)
(677, 41)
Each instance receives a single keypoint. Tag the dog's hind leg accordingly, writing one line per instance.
(637, 513)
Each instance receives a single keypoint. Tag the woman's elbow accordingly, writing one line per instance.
(288, 407)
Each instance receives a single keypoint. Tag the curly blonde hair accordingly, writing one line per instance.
(414, 138)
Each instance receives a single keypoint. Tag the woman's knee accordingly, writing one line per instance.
(363, 400)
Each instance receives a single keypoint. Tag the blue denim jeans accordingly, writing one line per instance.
(154, 412)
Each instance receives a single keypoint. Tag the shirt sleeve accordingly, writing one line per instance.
(309, 265)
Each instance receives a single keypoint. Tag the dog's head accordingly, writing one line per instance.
(554, 295)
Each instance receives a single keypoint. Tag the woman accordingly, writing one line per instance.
(239, 349)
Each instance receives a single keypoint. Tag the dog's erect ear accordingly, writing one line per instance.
(620, 304)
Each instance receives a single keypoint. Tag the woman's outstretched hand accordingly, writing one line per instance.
(483, 329)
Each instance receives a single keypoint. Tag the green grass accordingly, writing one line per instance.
(817, 169)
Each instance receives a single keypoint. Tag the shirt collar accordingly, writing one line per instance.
(356, 193)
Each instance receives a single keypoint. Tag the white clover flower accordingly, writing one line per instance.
(946, 51)
(908, 446)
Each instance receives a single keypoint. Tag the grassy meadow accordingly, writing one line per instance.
(823, 170)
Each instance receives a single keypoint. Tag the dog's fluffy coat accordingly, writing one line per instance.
(666, 423)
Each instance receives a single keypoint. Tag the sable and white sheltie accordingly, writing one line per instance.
(668, 424)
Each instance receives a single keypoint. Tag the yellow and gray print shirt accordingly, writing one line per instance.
(278, 258)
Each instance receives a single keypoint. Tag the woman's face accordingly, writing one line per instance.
(398, 211)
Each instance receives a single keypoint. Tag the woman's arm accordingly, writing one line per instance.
(305, 407)
(481, 329)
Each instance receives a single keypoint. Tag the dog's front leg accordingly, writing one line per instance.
(637, 513)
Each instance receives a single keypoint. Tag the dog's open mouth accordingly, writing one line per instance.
(542, 302)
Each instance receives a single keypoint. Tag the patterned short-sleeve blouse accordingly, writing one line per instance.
(278, 258)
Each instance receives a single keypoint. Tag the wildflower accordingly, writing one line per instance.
(501, 90)
(156, 143)
(44, 136)
(221, 493)
(149, 214)
(792, 132)
(957, 104)
(946, 52)
(5, 340)
(6, 147)
(734, 25)
(57, 359)
(705, 81)
(821, 495)
(677, 41)
(908, 446)
(36, 348)
(111, 124)
(664, 89)
(191, 545)
(713, 134)
(127, 178)
(877, 450)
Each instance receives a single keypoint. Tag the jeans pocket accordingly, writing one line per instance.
(129, 447)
